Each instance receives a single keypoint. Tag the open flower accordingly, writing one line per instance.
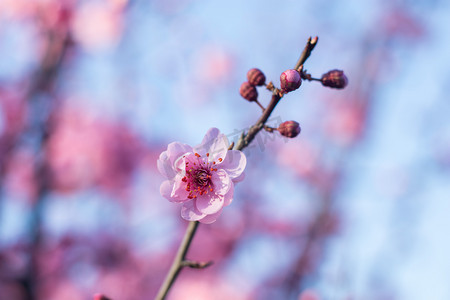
(202, 178)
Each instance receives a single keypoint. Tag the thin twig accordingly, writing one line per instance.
(310, 44)
(260, 105)
(177, 264)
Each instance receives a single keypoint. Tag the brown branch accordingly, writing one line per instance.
(310, 44)
(177, 263)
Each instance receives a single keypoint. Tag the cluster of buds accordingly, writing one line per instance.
(290, 80)
(248, 90)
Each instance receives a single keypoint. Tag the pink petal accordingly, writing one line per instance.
(210, 218)
(173, 191)
(234, 163)
(190, 213)
(228, 197)
(239, 178)
(209, 137)
(221, 182)
(175, 150)
(164, 166)
(207, 204)
(214, 143)
(166, 189)
(179, 189)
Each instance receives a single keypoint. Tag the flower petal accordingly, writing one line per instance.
(175, 150)
(228, 197)
(166, 189)
(239, 178)
(214, 143)
(209, 204)
(221, 182)
(179, 193)
(168, 158)
(208, 219)
(174, 191)
(209, 138)
(164, 166)
(190, 213)
(234, 163)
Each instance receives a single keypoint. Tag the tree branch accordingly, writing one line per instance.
(179, 260)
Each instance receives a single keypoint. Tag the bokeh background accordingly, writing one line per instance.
(356, 207)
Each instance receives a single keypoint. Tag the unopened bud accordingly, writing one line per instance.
(256, 77)
(289, 129)
(335, 79)
(248, 91)
(290, 80)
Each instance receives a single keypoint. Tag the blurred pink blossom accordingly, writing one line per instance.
(84, 150)
(20, 178)
(205, 288)
(17, 8)
(309, 295)
(98, 25)
(213, 67)
(401, 23)
(62, 289)
(13, 114)
(203, 177)
(345, 122)
(304, 167)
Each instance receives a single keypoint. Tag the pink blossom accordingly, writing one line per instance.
(202, 178)
(309, 295)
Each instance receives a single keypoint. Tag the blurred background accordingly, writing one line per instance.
(356, 207)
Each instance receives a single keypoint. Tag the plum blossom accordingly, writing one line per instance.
(201, 178)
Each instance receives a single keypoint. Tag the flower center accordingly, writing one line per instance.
(198, 175)
(202, 177)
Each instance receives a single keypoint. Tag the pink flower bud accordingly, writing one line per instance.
(256, 77)
(248, 91)
(335, 79)
(290, 80)
(289, 129)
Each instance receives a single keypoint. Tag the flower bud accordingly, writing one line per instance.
(289, 129)
(248, 91)
(256, 77)
(335, 79)
(290, 80)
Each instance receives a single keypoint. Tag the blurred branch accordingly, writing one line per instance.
(42, 82)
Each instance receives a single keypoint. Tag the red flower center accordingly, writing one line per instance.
(198, 176)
